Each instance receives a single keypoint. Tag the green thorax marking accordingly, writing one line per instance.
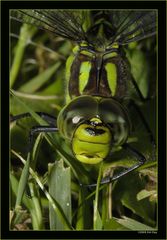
(84, 75)
(93, 72)
(111, 76)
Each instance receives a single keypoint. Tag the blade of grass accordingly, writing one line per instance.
(97, 221)
(29, 109)
(105, 202)
(133, 224)
(25, 34)
(112, 224)
(84, 210)
(25, 173)
(35, 83)
(14, 186)
(23, 182)
(59, 183)
(145, 194)
(37, 210)
(80, 213)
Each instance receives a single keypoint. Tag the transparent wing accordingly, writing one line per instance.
(63, 23)
(129, 25)
(132, 25)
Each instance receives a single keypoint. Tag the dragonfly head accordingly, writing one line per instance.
(93, 125)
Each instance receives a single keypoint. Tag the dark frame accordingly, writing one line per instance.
(160, 234)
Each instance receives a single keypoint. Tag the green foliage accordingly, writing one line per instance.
(59, 182)
(37, 82)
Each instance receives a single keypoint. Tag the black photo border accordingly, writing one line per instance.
(5, 232)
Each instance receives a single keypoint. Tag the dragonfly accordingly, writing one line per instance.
(95, 118)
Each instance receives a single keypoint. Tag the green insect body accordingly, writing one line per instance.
(96, 72)
(95, 117)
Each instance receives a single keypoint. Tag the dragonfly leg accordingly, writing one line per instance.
(141, 160)
(36, 130)
(49, 118)
(140, 157)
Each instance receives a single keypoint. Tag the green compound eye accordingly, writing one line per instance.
(91, 142)
(73, 114)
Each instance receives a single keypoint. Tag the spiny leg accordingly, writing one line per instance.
(141, 160)
(37, 130)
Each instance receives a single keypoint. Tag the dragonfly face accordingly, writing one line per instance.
(93, 125)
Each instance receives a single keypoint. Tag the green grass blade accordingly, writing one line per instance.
(84, 210)
(80, 212)
(112, 224)
(60, 189)
(134, 225)
(35, 83)
(37, 209)
(14, 186)
(26, 33)
(97, 221)
(145, 194)
(23, 182)
(29, 109)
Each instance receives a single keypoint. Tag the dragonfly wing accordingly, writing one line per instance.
(66, 24)
(132, 25)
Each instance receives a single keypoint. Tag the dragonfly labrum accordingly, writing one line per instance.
(99, 91)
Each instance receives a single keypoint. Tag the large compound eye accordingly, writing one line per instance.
(76, 112)
(116, 117)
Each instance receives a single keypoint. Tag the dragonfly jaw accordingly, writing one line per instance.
(91, 142)
(90, 152)
(89, 159)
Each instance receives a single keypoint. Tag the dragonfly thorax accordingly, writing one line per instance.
(92, 71)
